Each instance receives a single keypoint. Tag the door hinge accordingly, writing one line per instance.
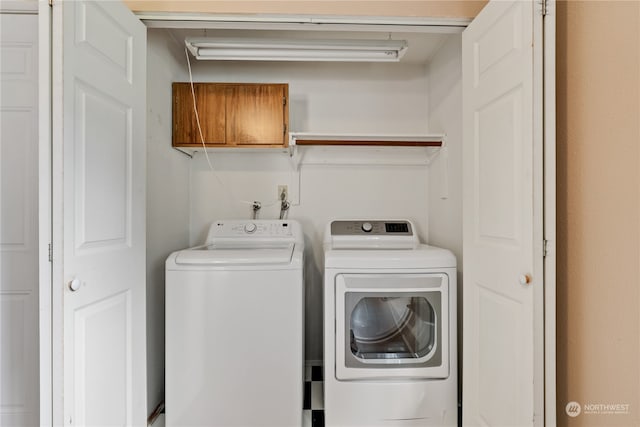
(50, 252)
(50, 3)
(545, 248)
(284, 100)
(543, 7)
(284, 129)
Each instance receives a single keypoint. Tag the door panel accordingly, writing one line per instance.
(105, 40)
(103, 346)
(502, 217)
(497, 196)
(497, 358)
(103, 74)
(101, 167)
(18, 220)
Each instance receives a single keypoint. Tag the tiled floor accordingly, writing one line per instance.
(313, 409)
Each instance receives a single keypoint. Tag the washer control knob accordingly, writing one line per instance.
(250, 227)
(367, 227)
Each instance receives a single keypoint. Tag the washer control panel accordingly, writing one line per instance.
(249, 228)
(370, 227)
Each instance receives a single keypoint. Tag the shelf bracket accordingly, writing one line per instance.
(444, 154)
(189, 155)
(294, 155)
(441, 150)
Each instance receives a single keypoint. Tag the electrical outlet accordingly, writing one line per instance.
(283, 189)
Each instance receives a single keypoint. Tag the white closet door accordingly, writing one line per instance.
(99, 57)
(18, 220)
(502, 217)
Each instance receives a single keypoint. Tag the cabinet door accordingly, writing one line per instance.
(210, 102)
(257, 114)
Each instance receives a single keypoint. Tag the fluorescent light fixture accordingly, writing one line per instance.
(229, 49)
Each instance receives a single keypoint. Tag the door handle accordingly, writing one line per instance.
(525, 279)
(74, 285)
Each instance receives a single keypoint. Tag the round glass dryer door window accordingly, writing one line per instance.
(392, 328)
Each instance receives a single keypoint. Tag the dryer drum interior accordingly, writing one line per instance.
(392, 327)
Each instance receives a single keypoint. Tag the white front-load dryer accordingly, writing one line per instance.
(389, 327)
(235, 327)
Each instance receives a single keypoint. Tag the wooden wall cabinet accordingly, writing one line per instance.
(231, 115)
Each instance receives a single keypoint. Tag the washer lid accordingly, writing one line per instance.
(237, 254)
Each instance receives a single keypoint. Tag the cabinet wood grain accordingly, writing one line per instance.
(210, 102)
(231, 115)
(256, 114)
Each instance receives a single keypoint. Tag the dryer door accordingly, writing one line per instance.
(392, 326)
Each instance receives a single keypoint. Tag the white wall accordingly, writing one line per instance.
(337, 97)
(167, 196)
(375, 98)
(445, 173)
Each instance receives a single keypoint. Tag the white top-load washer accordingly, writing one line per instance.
(235, 327)
(389, 327)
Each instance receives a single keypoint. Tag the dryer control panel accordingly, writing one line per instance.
(370, 227)
(371, 234)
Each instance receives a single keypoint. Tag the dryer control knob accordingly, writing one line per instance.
(250, 228)
(367, 227)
